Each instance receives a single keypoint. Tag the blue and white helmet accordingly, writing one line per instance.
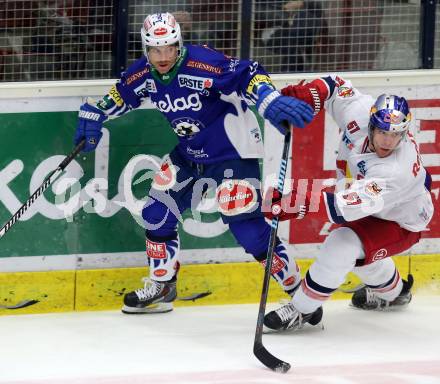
(390, 113)
(160, 29)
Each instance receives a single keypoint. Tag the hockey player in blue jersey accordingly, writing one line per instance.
(205, 97)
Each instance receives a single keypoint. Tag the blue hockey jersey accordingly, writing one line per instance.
(205, 98)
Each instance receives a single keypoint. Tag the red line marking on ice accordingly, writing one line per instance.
(402, 372)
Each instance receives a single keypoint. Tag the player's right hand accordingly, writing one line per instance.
(282, 111)
(89, 126)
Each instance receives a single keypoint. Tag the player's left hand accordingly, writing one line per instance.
(295, 205)
(282, 111)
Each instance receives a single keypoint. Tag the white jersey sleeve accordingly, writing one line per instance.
(346, 104)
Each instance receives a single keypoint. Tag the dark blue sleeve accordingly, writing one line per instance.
(128, 92)
(243, 77)
(232, 74)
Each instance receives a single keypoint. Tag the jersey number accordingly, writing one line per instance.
(353, 127)
(417, 164)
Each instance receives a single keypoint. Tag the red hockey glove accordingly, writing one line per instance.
(314, 93)
(295, 205)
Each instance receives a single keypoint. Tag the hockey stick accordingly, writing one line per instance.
(27, 303)
(194, 296)
(21, 304)
(47, 181)
(260, 351)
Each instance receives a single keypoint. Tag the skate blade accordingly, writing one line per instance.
(154, 308)
(392, 308)
(268, 331)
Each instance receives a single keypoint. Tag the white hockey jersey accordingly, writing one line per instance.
(392, 188)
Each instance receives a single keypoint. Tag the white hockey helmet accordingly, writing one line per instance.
(160, 29)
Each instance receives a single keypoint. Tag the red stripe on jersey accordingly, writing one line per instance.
(312, 293)
(365, 145)
(390, 286)
(342, 166)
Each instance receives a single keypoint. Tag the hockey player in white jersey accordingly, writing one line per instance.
(382, 202)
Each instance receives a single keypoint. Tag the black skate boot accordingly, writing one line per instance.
(154, 297)
(288, 317)
(366, 298)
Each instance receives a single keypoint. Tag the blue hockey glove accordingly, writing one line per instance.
(89, 126)
(282, 111)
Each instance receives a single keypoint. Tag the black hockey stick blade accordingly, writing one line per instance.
(21, 304)
(194, 296)
(269, 360)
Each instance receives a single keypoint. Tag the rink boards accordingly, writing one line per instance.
(228, 283)
(88, 254)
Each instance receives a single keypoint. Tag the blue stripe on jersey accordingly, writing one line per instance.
(316, 287)
(332, 210)
(330, 83)
(389, 282)
(428, 181)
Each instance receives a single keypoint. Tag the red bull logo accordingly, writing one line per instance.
(373, 189)
(345, 92)
(392, 118)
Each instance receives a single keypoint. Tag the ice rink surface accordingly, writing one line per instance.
(213, 344)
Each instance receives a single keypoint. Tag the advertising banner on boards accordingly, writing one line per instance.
(95, 207)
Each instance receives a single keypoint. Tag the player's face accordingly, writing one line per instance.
(163, 58)
(384, 142)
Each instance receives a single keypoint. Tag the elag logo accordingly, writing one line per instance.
(195, 82)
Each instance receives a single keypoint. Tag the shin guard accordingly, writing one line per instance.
(163, 257)
(285, 270)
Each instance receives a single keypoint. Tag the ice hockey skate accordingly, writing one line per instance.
(288, 317)
(366, 298)
(154, 297)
